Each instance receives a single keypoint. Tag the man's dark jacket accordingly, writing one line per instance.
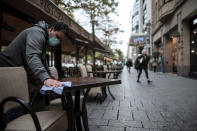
(28, 49)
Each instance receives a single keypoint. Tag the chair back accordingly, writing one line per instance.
(83, 70)
(13, 83)
(89, 69)
(105, 68)
(54, 72)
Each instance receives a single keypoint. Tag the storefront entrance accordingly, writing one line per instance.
(193, 46)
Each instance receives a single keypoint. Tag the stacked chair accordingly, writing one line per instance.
(109, 76)
(84, 73)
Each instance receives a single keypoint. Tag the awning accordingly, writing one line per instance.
(18, 15)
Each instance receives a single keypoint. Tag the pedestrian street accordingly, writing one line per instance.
(169, 103)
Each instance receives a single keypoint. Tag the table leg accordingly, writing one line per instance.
(77, 110)
(110, 93)
(104, 92)
(84, 111)
(70, 112)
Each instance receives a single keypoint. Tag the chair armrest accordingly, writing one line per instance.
(25, 105)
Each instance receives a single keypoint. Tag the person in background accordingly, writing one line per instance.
(161, 63)
(154, 64)
(129, 64)
(143, 61)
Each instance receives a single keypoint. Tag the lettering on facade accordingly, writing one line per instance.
(54, 11)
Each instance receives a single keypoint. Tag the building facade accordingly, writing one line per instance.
(174, 34)
(140, 28)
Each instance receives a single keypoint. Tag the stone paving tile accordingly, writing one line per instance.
(105, 128)
(125, 114)
(190, 125)
(98, 128)
(136, 104)
(97, 107)
(137, 129)
(125, 104)
(103, 104)
(125, 123)
(160, 125)
(140, 116)
(110, 115)
(155, 116)
(162, 106)
(96, 114)
(97, 122)
(170, 116)
(136, 124)
(185, 116)
(114, 103)
(161, 130)
(123, 108)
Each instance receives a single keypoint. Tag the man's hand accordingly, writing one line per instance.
(51, 82)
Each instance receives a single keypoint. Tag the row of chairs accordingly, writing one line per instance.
(14, 92)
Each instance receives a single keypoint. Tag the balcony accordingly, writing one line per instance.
(167, 10)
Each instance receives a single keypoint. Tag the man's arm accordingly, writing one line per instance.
(34, 43)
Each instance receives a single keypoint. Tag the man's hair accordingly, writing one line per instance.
(60, 26)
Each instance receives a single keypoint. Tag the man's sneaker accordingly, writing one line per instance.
(149, 81)
(138, 81)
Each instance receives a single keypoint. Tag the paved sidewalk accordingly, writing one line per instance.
(169, 103)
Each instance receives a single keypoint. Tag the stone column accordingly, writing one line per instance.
(140, 16)
(184, 48)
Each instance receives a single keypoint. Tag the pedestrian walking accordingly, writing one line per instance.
(136, 64)
(161, 63)
(142, 64)
(154, 63)
(129, 64)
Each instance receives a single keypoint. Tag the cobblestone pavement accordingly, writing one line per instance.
(169, 103)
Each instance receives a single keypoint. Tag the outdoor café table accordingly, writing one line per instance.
(100, 73)
(73, 107)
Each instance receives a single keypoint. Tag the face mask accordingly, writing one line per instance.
(53, 41)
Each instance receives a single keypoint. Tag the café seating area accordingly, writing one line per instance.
(15, 101)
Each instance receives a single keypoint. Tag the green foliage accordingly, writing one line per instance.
(109, 29)
(95, 8)
(98, 11)
(65, 6)
(156, 54)
(118, 54)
